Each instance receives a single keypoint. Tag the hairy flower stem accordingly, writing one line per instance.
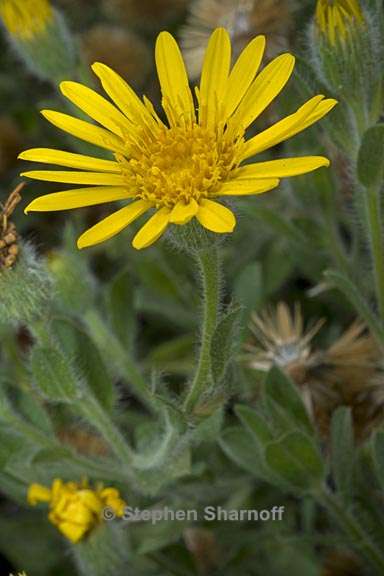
(209, 266)
(373, 211)
(352, 528)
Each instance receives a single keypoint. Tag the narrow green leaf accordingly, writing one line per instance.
(255, 423)
(296, 461)
(53, 375)
(224, 343)
(80, 350)
(342, 451)
(240, 447)
(279, 388)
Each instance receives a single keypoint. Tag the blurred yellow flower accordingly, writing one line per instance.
(182, 167)
(333, 18)
(76, 508)
(26, 19)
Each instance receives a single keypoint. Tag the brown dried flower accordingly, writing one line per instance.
(9, 248)
(349, 373)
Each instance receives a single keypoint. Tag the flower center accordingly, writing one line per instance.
(181, 164)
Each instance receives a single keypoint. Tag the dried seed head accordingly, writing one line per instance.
(8, 234)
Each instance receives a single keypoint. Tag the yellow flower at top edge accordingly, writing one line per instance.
(26, 19)
(334, 17)
(75, 509)
(178, 169)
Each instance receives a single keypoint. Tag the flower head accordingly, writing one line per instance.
(181, 167)
(76, 508)
(281, 339)
(334, 18)
(26, 19)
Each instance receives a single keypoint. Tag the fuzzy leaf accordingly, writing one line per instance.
(224, 343)
(80, 349)
(54, 376)
(343, 451)
(255, 423)
(240, 447)
(296, 461)
(283, 392)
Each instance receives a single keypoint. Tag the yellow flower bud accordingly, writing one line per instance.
(26, 20)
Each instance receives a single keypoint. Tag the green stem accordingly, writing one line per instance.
(350, 526)
(373, 211)
(208, 262)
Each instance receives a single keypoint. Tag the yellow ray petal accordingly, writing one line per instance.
(67, 177)
(264, 89)
(123, 96)
(173, 78)
(97, 107)
(321, 110)
(152, 230)
(77, 198)
(306, 115)
(113, 224)
(85, 131)
(243, 73)
(242, 186)
(215, 217)
(282, 168)
(214, 76)
(70, 160)
(183, 213)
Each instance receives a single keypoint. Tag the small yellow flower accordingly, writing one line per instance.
(179, 168)
(26, 19)
(334, 18)
(76, 508)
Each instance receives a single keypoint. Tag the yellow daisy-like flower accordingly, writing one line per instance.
(26, 19)
(76, 508)
(335, 16)
(181, 167)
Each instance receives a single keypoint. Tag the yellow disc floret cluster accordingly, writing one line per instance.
(76, 508)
